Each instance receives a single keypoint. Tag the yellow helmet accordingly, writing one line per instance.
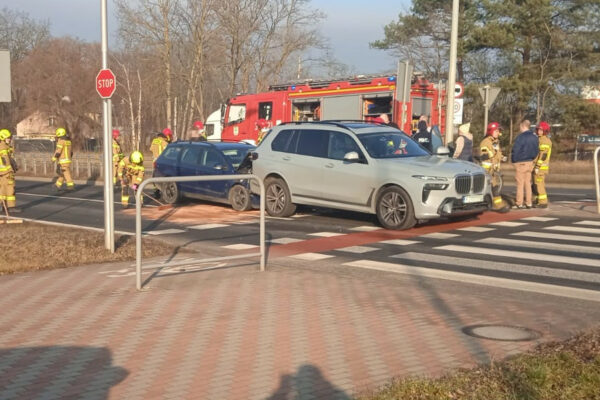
(61, 132)
(136, 157)
(4, 134)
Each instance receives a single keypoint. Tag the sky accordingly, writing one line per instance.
(349, 27)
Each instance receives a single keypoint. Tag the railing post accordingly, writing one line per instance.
(597, 178)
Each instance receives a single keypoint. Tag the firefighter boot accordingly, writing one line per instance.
(499, 205)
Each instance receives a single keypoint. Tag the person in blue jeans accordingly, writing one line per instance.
(524, 152)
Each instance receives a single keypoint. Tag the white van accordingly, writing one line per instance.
(213, 125)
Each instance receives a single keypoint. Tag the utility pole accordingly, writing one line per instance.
(109, 221)
(451, 75)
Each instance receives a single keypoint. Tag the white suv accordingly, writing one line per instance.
(365, 167)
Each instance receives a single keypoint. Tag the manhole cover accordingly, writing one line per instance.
(502, 332)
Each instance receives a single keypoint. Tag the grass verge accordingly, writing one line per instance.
(558, 370)
(30, 247)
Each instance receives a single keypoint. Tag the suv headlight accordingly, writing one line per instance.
(430, 178)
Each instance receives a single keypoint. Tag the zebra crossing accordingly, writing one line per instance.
(553, 256)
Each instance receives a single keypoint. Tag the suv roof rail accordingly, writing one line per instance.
(342, 123)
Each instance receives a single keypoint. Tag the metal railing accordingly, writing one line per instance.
(597, 178)
(196, 178)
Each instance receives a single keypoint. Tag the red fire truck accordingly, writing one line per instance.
(358, 98)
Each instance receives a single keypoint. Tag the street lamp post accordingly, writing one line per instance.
(451, 75)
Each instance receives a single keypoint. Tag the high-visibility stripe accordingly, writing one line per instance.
(349, 90)
(497, 200)
(9, 198)
(542, 197)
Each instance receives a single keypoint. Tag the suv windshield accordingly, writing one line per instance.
(391, 145)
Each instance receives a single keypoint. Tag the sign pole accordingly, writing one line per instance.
(451, 75)
(486, 106)
(109, 234)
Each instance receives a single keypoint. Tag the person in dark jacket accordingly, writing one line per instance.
(464, 143)
(524, 151)
(423, 136)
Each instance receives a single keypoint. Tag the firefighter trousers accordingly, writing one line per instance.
(7, 189)
(64, 175)
(539, 187)
(498, 202)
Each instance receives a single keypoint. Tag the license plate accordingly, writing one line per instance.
(473, 199)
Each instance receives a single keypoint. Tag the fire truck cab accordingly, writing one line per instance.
(359, 98)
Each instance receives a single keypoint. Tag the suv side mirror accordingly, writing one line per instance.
(351, 156)
(442, 151)
(220, 167)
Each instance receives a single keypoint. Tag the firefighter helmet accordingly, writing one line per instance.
(491, 128)
(199, 125)
(116, 133)
(4, 134)
(262, 123)
(545, 127)
(136, 157)
(60, 132)
(167, 132)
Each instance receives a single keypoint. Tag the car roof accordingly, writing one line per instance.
(357, 126)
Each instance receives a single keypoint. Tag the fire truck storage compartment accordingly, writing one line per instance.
(306, 109)
(377, 104)
(341, 107)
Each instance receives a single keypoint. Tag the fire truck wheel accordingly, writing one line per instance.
(239, 198)
(278, 198)
(395, 209)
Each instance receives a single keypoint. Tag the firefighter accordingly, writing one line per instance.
(263, 128)
(131, 175)
(491, 156)
(7, 173)
(541, 165)
(160, 142)
(62, 156)
(117, 154)
(200, 133)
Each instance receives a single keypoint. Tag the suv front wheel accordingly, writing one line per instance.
(278, 199)
(395, 209)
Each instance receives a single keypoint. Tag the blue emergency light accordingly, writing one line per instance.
(392, 79)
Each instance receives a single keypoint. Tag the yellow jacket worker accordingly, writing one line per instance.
(63, 155)
(7, 173)
(491, 156)
(542, 165)
(117, 153)
(160, 142)
(131, 174)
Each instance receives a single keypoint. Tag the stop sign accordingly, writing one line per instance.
(106, 83)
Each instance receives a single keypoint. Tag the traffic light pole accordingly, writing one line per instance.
(109, 222)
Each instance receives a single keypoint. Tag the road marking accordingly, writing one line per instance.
(566, 202)
(522, 254)
(439, 235)
(365, 228)
(594, 223)
(73, 198)
(240, 246)
(326, 234)
(284, 240)
(539, 219)
(539, 245)
(500, 266)
(476, 229)
(573, 229)
(509, 223)
(311, 256)
(207, 226)
(89, 228)
(358, 249)
(548, 235)
(543, 288)
(400, 242)
(164, 232)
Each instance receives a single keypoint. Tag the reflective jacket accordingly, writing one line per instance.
(64, 151)
(131, 172)
(117, 153)
(491, 154)
(159, 143)
(5, 154)
(542, 161)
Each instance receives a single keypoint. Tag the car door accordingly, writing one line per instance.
(304, 168)
(188, 166)
(348, 182)
(212, 162)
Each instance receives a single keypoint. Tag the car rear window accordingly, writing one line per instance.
(280, 143)
(236, 156)
(313, 143)
(171, 152)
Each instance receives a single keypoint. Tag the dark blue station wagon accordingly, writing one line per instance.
(188, 158)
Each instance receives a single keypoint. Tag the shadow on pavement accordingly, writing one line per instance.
(308, 383)
(58, 372)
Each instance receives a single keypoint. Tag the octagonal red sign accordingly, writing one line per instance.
(106, 83)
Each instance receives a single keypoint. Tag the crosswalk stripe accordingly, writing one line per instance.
(358, 249)
(400, 242)
(539, 219)
(284, 240)
(540, 245)
(207, 226)
(476, 229)
(573, 229)
(509, 223)
(240, 246)
(549, 289)
(522, 254)
(439, 235)
(594, 223)
(365, 228)
(326, 234)
(557, 236)
(501, 266)
(311, 256)
(164, 232)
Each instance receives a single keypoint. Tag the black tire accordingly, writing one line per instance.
(239, 198)
(395, 209)
(169, 193)
(278, 200)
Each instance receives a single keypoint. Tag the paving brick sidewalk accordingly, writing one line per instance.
(293, 332)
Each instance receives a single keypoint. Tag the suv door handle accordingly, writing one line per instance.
(286, 158)
(329, 165)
